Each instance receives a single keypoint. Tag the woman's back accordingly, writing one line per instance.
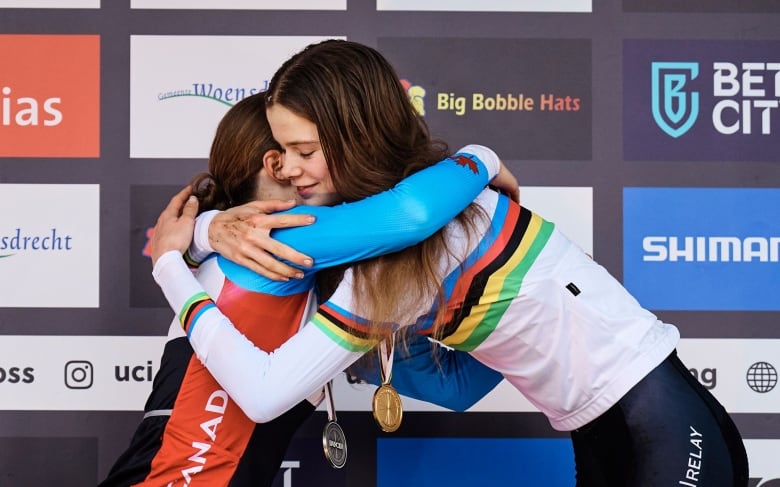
(513, 309)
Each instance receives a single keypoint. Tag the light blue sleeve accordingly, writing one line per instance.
(408, 213)
(450, 378)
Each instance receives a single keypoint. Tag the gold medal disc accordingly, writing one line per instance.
(387, 408)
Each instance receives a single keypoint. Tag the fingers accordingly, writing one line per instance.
(190, 209)
(284, 221)
(175, 204)
(267, 265)
(515, 195)
(271, 206)
(243, 235)
(506, 182)
(180, 198)
(287, 253)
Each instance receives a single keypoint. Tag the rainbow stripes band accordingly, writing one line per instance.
(191, 263)
(490, 290)
(193, 309)
(348, 334)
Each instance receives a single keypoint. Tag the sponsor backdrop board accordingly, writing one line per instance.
(647, 130)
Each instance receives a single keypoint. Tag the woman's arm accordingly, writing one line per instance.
(436, 374)
(249, 227)
(390, 221)
(263, 385)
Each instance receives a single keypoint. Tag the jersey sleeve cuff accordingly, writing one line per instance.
(176, 280)
(485, 155)
(200, 247)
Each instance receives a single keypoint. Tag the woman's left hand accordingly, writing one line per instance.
(175, 225)
(506, 182)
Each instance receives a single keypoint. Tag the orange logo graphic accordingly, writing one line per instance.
(50, 96)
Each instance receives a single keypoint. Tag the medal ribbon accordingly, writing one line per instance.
(386, 366)
(329, 404)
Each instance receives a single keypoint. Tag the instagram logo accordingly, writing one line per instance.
(78, 374)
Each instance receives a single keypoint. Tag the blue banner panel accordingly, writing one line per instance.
(702, 248)
(465, 462)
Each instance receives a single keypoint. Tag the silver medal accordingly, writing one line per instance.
(334, 443)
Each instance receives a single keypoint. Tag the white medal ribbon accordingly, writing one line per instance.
(386, 369)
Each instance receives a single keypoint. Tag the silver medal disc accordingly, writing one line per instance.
(334, 443)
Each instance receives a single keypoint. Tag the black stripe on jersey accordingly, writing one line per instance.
(346, 328)
(191, 310)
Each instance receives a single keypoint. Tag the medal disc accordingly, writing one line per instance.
(334, 443)
(387, 408)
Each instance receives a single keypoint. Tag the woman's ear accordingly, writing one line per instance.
(272, 162)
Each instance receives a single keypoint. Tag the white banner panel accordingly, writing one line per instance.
(571, 209)
(77, 373)
(741, 373)
(49, 245)
(64, 373)
(762, 458)
(241, 4)
(487, 5)
(181, 86)
(49, 3)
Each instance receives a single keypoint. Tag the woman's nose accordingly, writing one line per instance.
(290, 167)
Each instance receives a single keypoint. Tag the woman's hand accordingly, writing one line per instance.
(506, 182)
(175, 225)
(243, 235)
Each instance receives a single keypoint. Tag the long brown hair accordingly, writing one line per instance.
(372, 138)
(242, 137)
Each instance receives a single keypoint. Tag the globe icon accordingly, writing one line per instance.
(762, 377)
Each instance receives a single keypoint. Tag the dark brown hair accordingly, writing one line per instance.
(242, 137)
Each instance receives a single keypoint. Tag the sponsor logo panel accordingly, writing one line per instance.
(486, 6)
(535, 461)
(181, 86)
(525, 98)
(49, 247)
(146, 202)
(241, 4)
(77, 373)
(702, 248)
(50, 96)
(701, 100)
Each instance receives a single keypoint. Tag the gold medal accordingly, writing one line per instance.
(387, 408)
(386, 405)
